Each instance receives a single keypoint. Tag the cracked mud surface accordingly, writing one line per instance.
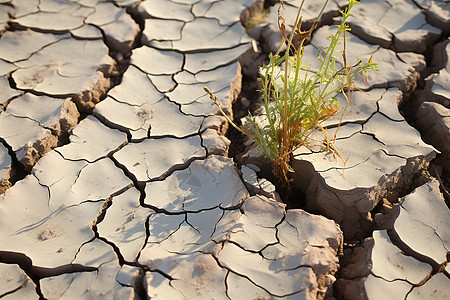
(115, 179)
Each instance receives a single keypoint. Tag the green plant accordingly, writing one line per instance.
(258, 17)
(297, 98)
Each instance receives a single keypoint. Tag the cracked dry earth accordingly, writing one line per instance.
(116, 183)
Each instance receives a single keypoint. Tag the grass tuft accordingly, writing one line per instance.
(258, 17)
(297, 98)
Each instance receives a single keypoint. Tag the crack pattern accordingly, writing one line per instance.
(129, 192)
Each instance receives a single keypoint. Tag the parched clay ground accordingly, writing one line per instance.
(115, 176)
